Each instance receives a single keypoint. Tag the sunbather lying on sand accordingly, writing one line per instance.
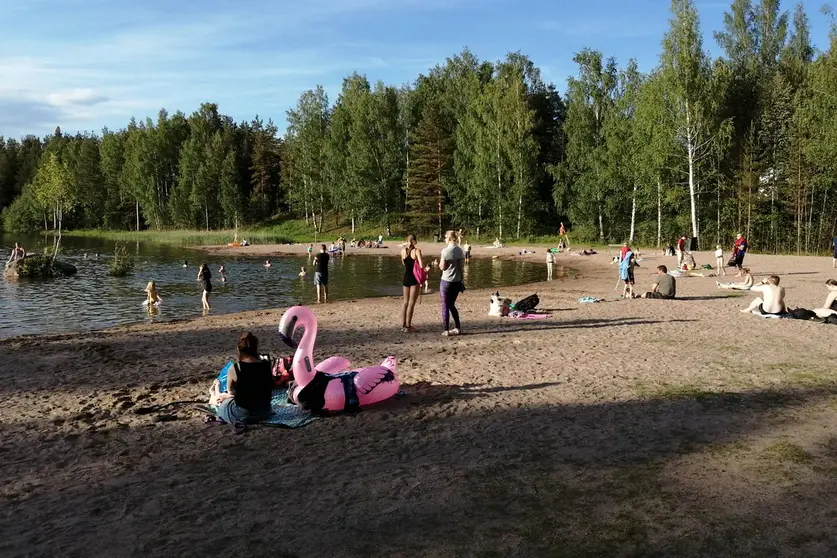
(745, 286)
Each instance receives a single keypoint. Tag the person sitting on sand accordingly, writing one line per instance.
(665, 287)
(745, 286)
(772, 301)
(497, 243)
(153, 295)
(830, 305)
(689, 261)
(267, 263)
(249, 386)
(302, 272)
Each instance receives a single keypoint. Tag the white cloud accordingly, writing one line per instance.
(94, 63)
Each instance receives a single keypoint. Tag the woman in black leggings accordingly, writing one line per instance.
(451, 265)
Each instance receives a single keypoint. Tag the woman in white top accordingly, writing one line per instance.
(550, 259)
(719, 260)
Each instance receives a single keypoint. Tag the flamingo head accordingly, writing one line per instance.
(294, 317)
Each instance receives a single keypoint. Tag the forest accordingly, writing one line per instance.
(696, 146)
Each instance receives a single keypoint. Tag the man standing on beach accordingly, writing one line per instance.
(562, 235)
(739, 249)
(321, 274)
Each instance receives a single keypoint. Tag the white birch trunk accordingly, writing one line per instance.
(659, 212)
(633, 215)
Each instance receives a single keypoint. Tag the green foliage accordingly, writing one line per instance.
(122, 263)
(743, 143)
(43, 266)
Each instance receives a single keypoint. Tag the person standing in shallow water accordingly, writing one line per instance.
(450, 263)
(321, 274)
(410, 285)
(205, 277)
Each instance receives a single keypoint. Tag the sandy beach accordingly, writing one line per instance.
(623, 428)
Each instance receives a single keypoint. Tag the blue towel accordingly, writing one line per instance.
(285, 414)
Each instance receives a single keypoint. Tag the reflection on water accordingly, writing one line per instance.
(95, 300)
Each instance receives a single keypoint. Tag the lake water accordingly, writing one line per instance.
(92, 299)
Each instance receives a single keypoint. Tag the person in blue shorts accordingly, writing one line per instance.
(321, 274)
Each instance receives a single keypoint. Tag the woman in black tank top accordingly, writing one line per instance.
(249, 385)
(409, 256)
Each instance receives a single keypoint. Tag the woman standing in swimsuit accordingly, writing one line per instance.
(411, 288)
(205, 277)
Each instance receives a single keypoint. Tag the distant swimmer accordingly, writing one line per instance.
(185, 263)
(222, 271)
(302, 272)
(267, 263)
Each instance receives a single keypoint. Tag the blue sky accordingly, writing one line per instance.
(85, 64)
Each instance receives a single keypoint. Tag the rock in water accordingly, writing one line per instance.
(37, 267)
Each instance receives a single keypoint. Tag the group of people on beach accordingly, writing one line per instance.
(451, 263)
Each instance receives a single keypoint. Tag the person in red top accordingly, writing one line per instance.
(738, 250)
(625, 249)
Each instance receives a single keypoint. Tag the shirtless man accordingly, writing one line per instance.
(772, 300)
(830, 306)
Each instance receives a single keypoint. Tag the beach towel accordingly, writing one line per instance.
(760, 315)
(589, 299)
(528, 315)
(285, 414)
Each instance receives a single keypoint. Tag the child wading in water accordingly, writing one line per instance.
(153, 296)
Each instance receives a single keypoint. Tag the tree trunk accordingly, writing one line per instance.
(353, 221)
(659, 212)
(601, 225)
(137, 208)
(690, 151)
(519, 214)
(633, 215)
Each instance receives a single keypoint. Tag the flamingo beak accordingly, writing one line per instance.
(286, 331)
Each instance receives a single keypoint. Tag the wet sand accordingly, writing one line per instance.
(627, 427)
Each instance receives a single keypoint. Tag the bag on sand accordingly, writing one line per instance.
(527, 304)
(802, 314)
(419, 273)
(831, 319)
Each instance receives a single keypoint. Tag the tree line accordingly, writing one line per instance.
(706, 148)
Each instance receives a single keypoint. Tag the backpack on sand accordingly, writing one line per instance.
(802, 314)
(527, 304)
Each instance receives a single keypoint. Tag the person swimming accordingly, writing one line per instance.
(222, 271)
(185, 263)
(267, 263)
(302, 272)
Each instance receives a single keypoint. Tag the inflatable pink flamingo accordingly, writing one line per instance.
(322, 388)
